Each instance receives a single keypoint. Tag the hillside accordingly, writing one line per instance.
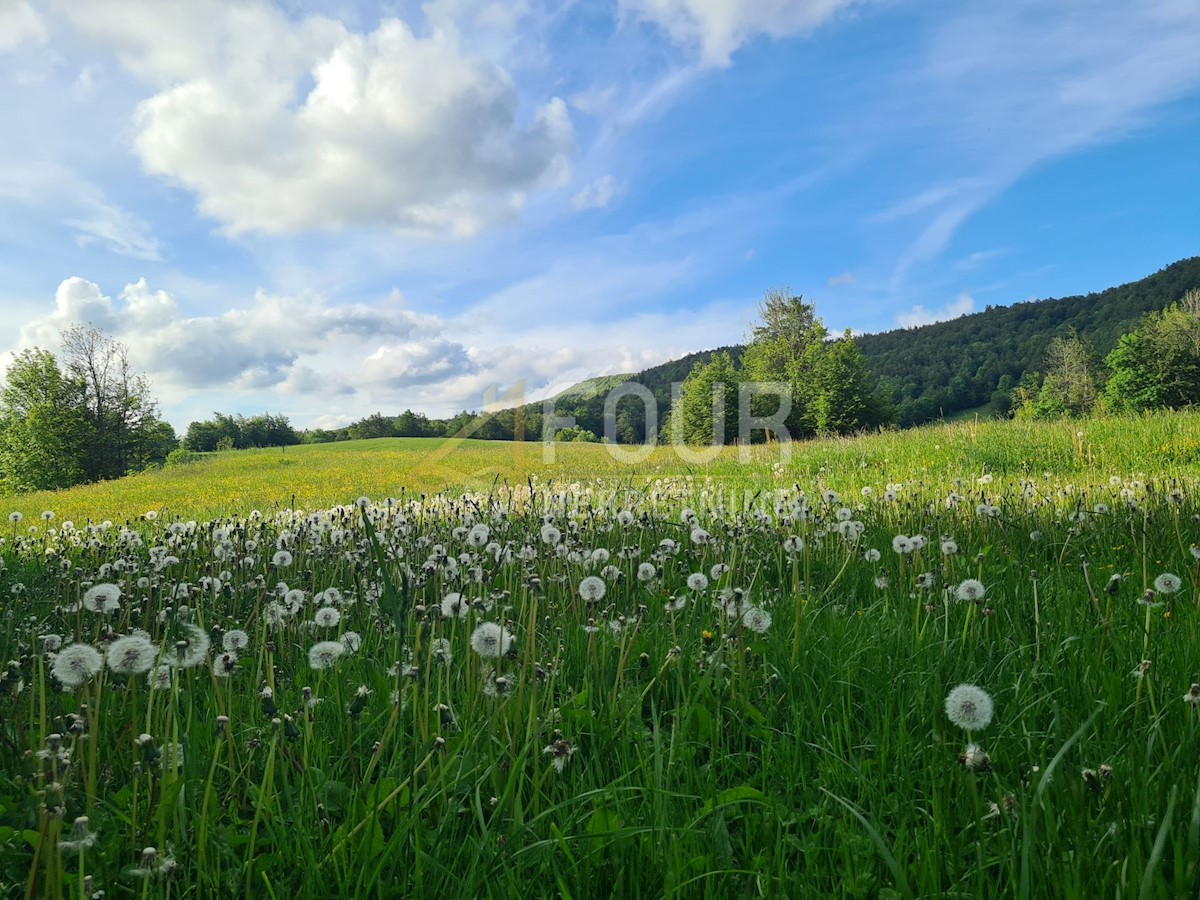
(937, 370)
(929, 372)
(950, 366)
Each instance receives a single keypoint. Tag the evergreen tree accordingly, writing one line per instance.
(709, 393)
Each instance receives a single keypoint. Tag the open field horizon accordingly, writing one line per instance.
(323, 475)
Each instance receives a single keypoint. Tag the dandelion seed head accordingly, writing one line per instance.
(76, 664)
(102, 598)
(592, 589)
(969, 707)
(970, 590)
(455, 606)
(756, 619)
(490, 640)
(235, 640)
(324, 654)
(132, 654)
(327, 617)
(1166, 583)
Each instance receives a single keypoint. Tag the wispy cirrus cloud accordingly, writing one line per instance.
(1008, 87)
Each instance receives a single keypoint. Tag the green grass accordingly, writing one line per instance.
(323, 475)
(708, 759)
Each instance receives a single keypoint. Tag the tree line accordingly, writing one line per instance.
(1154, 366)
(85, 417)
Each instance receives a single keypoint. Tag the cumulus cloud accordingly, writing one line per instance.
(410, 363)
(20, 26)
(715, 29)
(280, 125)
(311, 358)
(272, 342)
(919, 315)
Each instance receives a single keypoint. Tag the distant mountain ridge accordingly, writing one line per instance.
(936, 370)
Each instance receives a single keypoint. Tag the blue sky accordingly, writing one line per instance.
(329, 209)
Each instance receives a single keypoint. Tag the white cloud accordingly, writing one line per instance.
(281, 126)
(310, 358)
(598, 194)
(80, 206)
(919, 315)
(20, 26)
(844, 278)
(715, 29)
(115, 229)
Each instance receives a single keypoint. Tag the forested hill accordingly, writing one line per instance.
(936, 370)
(926, 372)
(949, 366)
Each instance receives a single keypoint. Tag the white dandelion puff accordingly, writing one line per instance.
(102, 598)
(77, 663)
(971, 590)
(756, 619)
(235, 640)
(969, 707)
(491, 640)
(324, 654)
(455, 606)
(1166, 583)
(132, 654)
(327, 617)
(190, 650)
(592, 589)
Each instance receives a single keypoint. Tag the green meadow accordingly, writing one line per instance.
(321, 475)
(460, 669)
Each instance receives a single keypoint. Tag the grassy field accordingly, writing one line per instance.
(661, 679)
(324, 475)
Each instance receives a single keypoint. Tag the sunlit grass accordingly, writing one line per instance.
(773, 728)
(323, 475)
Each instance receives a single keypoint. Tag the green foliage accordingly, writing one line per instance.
(1158, 364)
(840, 399)
(575, 434)
(237, 432)
(376, 425)
(411, 424)
(43, 432)
(707, 412)
(90, 420)
(1072, 384)
(181, 456)
(827, 381)
(635, 747)
(937, 369)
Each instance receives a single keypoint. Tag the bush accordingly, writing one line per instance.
(181, 456)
